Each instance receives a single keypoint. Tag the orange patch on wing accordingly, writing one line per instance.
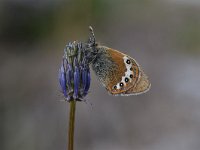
(116, 74)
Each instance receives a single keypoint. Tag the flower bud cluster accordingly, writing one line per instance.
(74, 73)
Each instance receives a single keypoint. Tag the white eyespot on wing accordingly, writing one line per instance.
(118, 86)
(123, 80)
(128, 67)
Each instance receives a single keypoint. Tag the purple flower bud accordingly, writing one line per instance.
(62, 79)
(76, 79)
(74, 74)
(84, 77)
(84, 73)
(88, 82)
(69, 77)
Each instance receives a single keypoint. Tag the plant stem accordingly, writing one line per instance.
(71, 125)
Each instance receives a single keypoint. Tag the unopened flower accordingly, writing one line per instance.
(74, 73)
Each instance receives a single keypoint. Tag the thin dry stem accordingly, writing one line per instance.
(71, 125)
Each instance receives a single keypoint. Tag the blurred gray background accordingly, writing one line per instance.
(162, 35)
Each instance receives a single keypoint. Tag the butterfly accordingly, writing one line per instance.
(119, 73)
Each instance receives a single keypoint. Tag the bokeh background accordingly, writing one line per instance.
(162, 35)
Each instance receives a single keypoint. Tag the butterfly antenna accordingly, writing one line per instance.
(93, 36)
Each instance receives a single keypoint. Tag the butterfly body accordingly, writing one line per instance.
(119, 73)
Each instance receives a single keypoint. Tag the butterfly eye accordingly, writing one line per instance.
(128, 61)
(126, 79)
(121, 84)
(131, 76)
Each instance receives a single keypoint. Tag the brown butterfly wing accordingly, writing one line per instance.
(125, 75)
(119, 73)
